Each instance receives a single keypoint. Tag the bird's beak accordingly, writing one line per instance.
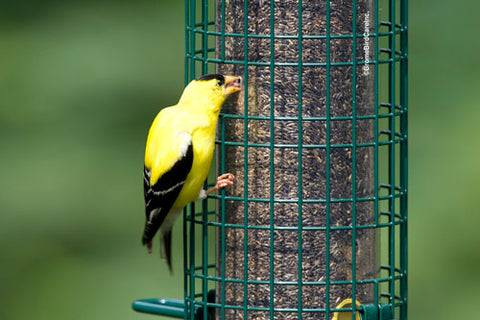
(232, 84)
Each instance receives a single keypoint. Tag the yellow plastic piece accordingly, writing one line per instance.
(346, 315)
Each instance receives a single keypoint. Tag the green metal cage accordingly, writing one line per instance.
(316, 224)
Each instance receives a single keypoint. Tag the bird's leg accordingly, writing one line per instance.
(225, 180)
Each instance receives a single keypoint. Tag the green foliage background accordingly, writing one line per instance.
(80, 82)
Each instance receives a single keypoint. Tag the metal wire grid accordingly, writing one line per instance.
(204, 225)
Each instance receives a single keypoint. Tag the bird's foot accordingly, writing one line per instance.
(223, 181)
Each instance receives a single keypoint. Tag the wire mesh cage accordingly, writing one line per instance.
(315, 226)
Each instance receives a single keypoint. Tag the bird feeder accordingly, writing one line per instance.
(315, 226)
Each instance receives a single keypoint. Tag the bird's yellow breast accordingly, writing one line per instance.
(203, 140)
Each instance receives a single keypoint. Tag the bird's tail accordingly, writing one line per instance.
(165, 242)
(148, 234)
(166, 248)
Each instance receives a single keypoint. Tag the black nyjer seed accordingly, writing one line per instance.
(295, 160)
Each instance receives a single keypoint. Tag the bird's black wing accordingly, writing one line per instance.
(160, 197)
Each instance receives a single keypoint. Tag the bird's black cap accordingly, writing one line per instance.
(211, 76)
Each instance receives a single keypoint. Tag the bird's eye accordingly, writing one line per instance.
(219, 83)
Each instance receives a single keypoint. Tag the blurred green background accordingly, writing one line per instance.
(80, 82)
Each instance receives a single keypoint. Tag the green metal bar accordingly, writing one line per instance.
(185, 246)
(315, 146)
(396, 58)
(204, 202)
(392, 162)
(223, 217)
(222, 33)
(272, 152)
(307, 228)
(337, 118)
(327, 165)
(187, 41)
(164, 307)
(300, 152)
(204, 35)
(186, 269)
(291, 310)
(205, 255)
(376, 126)
(398, 30)
(354, 159)
(191, 306)
(245, 159)
(193, 11)
(276, 200)
(398, 276)
(376, 139)
(404, 159)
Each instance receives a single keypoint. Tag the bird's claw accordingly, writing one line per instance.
(223, 181)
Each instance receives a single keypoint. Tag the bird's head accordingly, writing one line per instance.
(210, 90)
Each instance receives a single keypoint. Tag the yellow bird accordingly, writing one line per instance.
(178, 155)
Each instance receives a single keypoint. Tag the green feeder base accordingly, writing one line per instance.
(176, 309)
(164, 307)
(373, 312)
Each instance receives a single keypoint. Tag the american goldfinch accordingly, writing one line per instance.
(178, 155)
